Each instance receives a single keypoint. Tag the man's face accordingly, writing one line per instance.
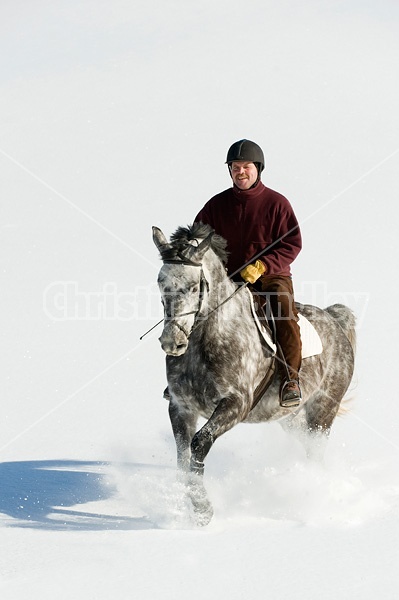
(244, 174)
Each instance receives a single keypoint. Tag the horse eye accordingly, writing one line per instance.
(195, 289)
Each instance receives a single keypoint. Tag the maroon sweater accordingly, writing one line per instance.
(255, 221)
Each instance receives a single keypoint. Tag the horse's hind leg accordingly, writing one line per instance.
(312, 423)
(321, 411)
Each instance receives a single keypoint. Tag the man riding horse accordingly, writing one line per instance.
(263, 239)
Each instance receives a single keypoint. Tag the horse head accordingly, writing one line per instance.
(183, 288)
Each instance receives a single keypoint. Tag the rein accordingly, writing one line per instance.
(238, 289)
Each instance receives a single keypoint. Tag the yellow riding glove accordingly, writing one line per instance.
(252, 272)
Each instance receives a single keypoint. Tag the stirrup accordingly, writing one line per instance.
(292, 398)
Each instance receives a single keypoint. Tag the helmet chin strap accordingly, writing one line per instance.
(257, 165)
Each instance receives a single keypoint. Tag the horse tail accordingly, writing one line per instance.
(346, 319)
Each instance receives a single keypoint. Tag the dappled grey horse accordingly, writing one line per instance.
(218, 366)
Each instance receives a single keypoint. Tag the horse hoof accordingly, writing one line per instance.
(203, 511)
(204, 516)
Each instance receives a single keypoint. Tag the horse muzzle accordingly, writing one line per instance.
(173, 341)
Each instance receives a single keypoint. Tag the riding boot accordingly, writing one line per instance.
(280, 293)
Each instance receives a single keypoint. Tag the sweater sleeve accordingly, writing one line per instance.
(204, 216)
(286, 245)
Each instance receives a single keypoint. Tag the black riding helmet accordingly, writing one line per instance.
(246, 150)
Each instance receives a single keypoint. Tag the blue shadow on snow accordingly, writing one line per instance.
(38, 493)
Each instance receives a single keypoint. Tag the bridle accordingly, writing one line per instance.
(204, 287)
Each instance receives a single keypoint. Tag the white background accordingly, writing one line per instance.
(115, 117)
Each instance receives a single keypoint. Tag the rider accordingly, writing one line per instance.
(263, 238)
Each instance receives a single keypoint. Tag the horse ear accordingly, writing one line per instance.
(159, 239)
(199, 251)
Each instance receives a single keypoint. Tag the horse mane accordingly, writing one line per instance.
(183, 236)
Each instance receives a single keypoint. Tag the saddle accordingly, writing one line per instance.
(263, 317)
(261, 311)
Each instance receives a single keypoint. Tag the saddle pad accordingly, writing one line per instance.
(311, 342)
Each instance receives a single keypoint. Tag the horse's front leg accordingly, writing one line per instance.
(228, 413)
(183, 425)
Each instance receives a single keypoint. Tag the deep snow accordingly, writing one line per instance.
(115, 117)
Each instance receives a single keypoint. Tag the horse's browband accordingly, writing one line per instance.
(182, 260)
